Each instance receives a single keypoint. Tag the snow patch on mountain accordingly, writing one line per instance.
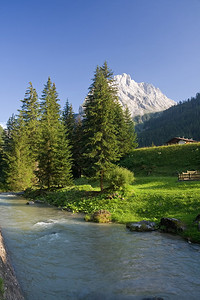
(141, 98)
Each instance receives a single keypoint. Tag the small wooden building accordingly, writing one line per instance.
(180, 141)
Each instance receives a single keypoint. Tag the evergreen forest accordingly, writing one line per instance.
(45, 146)
(181, 120)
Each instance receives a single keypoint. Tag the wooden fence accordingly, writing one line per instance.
(189, 175)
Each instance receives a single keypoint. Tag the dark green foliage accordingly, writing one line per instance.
(74, 133)
(130, 137)
(101, 147)
(77, 150)
(163, 160)
(181, 120)
(54, 156)
(69, 121)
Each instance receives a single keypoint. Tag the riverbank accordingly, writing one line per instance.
(149, 198)
(10, 286)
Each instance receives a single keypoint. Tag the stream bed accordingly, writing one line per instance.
(57, 255)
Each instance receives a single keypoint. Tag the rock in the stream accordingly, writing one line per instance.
(142, 226)
(172, 225)
(30, 203)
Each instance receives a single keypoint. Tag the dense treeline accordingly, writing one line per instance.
(45, 146)
(181, 120)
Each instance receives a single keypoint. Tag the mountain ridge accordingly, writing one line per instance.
(140, 98)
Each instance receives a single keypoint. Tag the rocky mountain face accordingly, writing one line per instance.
(141, 98)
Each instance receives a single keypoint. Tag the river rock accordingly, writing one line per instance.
(171, 225)
(101, 216)
(30, 203)
(141, 226)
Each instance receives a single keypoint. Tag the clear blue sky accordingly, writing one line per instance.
(155, 41)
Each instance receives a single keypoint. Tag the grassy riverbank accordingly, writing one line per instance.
(149, 198)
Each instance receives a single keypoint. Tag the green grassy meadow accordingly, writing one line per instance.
(148, 198)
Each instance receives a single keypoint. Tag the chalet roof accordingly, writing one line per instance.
(177, 139)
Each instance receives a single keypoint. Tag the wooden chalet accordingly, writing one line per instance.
(180, 141)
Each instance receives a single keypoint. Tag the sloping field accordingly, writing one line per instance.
(163, 160)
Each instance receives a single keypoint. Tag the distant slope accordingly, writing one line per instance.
(177, 121)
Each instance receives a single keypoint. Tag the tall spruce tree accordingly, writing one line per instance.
(29, 112)
(17, 155)
(125, 129)
(20, 143)
(130, 134)
(78, 148)
(101, 147)
(69, 121)
(54, 167)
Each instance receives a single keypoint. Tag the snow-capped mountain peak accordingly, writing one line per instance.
(141, 97)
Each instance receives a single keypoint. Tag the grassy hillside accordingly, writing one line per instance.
(163, 160)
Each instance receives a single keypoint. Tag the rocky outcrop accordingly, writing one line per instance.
(171, 225)
(141, 226)
(10, 284)
(142, 97)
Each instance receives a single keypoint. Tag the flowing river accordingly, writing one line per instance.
(58, 256)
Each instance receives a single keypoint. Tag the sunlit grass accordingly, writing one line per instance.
(149, 198)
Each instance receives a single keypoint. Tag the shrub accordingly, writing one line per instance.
(117, 177)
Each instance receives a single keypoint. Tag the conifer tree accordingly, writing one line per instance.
(55, 156)
(78, 148)
(69, 121)
(20, 143)
(29, 112)
(99, 131)
(17, 156)
(130, 134)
